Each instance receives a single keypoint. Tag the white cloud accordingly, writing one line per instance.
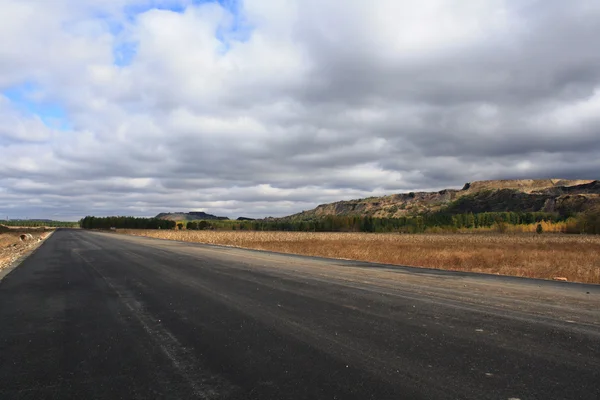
(14, 126)
(276, 106)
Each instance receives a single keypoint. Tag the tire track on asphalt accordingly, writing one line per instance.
(196, 376)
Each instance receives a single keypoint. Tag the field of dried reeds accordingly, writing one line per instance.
(575, 257)
(547, 227)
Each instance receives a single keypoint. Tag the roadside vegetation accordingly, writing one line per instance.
(537, 245)
(35, 223)
(125, 223)
(574, 257)
(501, 222)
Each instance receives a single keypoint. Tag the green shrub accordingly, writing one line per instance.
(589, 222)
(501, 226)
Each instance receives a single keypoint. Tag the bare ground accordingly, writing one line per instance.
(12, 247)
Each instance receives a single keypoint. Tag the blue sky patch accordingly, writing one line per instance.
(132, 11)
(52, 114)
(124, 53)
(239, 30)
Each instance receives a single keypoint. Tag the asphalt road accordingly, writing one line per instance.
(105, 316)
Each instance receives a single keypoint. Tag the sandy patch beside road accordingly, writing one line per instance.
(12, 247)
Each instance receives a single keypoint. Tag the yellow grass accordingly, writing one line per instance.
(575, 257)
(547, 227)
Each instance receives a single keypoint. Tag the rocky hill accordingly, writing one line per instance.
(524, 185)
(189, 216)
(548, 195)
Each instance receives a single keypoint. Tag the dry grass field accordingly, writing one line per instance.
(575, 257)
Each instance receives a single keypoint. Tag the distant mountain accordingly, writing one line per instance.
(189, 216)
(245, 219)
(547, 195)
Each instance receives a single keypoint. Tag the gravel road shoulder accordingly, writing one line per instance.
(13, 249)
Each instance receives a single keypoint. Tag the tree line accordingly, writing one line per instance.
(588, 222)
(90, 222)
(356, 223)
(32, 223)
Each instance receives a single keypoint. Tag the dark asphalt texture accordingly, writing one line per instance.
(105, 316)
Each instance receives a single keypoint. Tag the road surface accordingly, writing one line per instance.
(105, 316)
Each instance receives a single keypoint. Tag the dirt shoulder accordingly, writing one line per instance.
(16, 243)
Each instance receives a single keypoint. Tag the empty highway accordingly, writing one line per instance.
(104, 316)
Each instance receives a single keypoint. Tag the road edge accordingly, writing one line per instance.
(570, 285)
(12, 266)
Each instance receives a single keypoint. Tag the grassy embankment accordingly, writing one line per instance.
(575, 257)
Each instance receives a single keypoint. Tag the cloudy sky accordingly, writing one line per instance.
(269, 107)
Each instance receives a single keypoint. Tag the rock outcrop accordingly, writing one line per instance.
(528, 195)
